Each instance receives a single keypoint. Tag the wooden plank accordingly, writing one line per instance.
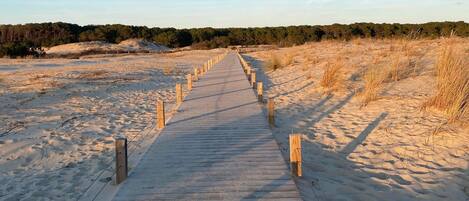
(218, 146)
(161, 119)
(295, 154)
(260, 90)
(121, 160)
(189, 82)
(271, 111)
(253, 78)
(178, 94)
(196, 74)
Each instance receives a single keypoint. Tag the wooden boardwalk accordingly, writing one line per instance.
(218, 146)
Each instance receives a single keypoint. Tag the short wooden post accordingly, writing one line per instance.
(295, 154)
(271, 111)
(121, 159)
(196, 74)
(189, 82)
(178, 93)
(248, 73)
(259, 92)
(253, 79)
(160, 114)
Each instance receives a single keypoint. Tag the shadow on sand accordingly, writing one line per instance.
(329, 175)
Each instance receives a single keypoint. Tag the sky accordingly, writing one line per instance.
(231, 13)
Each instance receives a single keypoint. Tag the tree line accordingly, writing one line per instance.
(26, 39)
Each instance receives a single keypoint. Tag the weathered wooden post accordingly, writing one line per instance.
(295, 154)
(253, 78)
(178, 93)
(259, 92)
(160, 114)
(196, 74)
(121, 159)
(248, 73)
(189, 81)
(271, 111)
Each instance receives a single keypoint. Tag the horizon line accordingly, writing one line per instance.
(233, 27)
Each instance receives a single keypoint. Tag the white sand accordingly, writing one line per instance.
(385, 151)
(59, 117)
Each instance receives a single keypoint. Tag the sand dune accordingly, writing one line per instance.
(388, 150)
(130, 45)
(59, 117)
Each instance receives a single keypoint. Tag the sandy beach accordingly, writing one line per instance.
(387, 150)
(59, 117)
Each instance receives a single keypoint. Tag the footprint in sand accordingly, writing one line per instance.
(379, 175)
(421, 191)
(400, 180)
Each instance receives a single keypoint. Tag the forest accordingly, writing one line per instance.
(28, 39)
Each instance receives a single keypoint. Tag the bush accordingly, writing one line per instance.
(274, 62)
(332, 77)
(19, 50)
(374, 78)
(288, 58)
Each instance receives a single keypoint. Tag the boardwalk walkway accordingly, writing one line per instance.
(217, 147)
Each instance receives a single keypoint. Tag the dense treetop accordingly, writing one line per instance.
(20, 39)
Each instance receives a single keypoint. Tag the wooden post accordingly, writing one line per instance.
(259, 92)
(160, 114)
(295, 154)
(248, 73)
(178, 93)
(253, 79)
(271, 111)
(189, 82)
(121, 159)
(196, 74)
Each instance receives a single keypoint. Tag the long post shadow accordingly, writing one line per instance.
(347, 150)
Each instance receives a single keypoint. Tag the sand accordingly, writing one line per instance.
(59, 117)
(388, 150)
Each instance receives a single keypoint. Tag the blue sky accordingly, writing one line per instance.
(231, 13)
